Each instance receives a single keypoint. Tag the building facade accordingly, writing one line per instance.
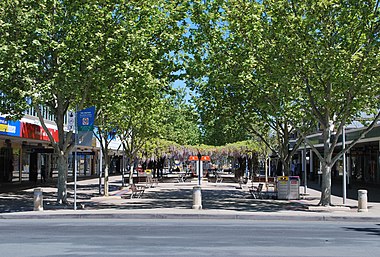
(26, 153)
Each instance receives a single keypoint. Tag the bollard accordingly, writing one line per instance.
(197, 198)
(38, 200)
(362, 200)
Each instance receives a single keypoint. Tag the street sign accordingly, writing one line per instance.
(71, 120)
(86, 119)
(193, 158)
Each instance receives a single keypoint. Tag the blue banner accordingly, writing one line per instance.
(85, 119)
(9, 128)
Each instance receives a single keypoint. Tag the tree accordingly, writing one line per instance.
(232, 72)
(135, 62)
(313, 63)
(180, 119)
(60, 53)
(47, 57)
(332, 57)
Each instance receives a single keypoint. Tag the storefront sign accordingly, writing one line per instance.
(33, 131)
(9, 128)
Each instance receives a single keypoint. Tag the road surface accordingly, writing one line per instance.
(115, 237)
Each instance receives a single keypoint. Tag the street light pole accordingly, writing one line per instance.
(304, 169)
(199, 168)
(75, 157)
(344, 166)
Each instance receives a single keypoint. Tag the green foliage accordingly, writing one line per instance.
(180, 120)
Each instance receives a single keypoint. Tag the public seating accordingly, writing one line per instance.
(150, 181)
(256, 191)
(137, 191)
(218, 178)
(181, 177)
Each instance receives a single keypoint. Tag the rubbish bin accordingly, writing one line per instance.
(38, 200)
(294, 188)
(282, 187)
(288, 188)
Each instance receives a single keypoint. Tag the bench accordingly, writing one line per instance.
(256, 191)
(150, 181)
(137, 191)
(218, 179)
(181, 178)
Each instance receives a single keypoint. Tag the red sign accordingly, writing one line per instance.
(193, 158)
(33, 131)
(205, 158)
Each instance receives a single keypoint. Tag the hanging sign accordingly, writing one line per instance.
(86, 119)
(205, 158)
(71, 121)
(193, 158)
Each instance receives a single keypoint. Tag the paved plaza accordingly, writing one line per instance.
(174, 200)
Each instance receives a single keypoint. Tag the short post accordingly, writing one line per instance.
(197, 198)
(38, 200)
(362, 200)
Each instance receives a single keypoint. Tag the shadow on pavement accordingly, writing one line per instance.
(234, 200)
(368, 231)
(351, 190)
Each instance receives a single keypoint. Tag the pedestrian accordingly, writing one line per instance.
(6, 155)
(43, 174)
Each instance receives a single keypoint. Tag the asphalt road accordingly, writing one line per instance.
(68, 237)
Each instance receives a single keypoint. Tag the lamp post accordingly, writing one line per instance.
(197, 194)
(199, 168)
(344, 166)
(304, 168)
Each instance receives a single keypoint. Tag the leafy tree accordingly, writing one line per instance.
(60, 53)
(332, 59)
(301, 64)
(47, 57)
(180, 119)
(151, 42)
(232, 72)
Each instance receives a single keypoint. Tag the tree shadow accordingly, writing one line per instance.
(227, 198)
(351, 190)
(234, 200)
(368, 231)
(11, 202)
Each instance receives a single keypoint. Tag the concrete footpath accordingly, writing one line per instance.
(174, 201)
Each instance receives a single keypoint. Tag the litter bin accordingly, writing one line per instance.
(282, 187)
(294, 188)
(288, 188)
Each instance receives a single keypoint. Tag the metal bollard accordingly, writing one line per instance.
(362, 200)
(38, 200)
(197, 198)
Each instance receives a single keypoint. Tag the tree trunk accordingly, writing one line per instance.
(285, 166)
(131, 174)
(326, 185)
(326, 168)
(106, 168)
(62, 178)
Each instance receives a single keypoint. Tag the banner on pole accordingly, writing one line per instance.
(86, 119)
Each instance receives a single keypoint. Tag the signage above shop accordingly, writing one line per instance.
(9, 128)
(33, 131)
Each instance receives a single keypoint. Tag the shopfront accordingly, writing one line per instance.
(10, 148)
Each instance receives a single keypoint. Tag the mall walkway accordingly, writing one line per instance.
(167, 200)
